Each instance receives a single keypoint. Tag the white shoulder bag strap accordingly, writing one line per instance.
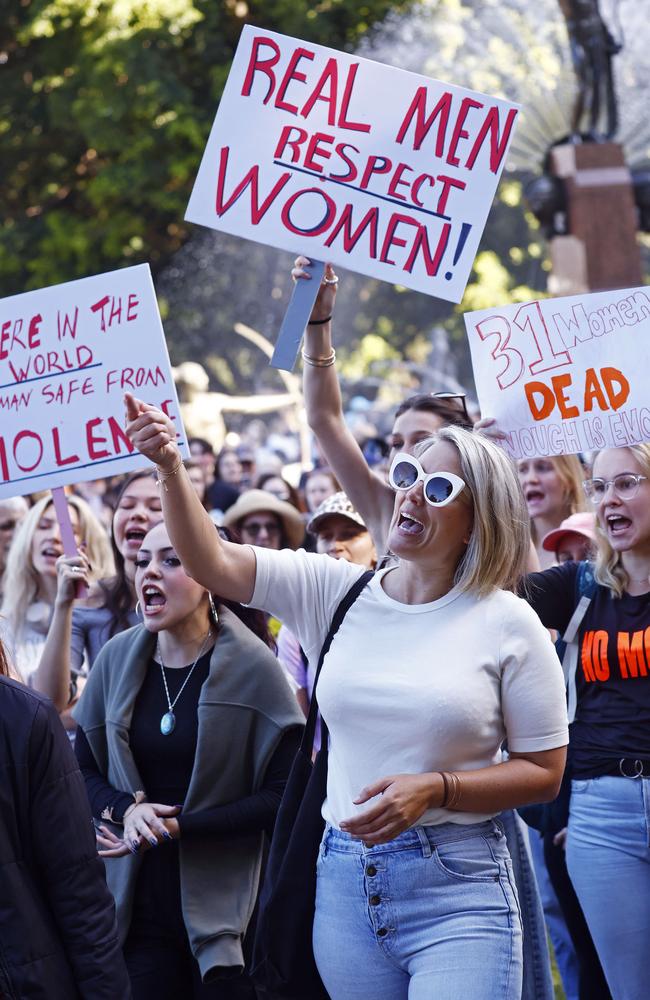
(570, 658)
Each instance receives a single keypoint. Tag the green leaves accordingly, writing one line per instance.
(105, 108)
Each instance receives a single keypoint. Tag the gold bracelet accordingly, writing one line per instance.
(161, 479)
(455, 793)
(319, 362)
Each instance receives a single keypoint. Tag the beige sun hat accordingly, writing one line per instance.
(256, 501)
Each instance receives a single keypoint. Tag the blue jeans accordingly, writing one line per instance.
(565, 956)
(608, 857)
(431, 915)
(538, 981)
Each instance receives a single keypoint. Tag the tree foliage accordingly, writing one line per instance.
(105, 108)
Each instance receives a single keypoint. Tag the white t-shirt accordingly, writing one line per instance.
(413, 688)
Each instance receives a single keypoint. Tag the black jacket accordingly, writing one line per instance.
(58, 935)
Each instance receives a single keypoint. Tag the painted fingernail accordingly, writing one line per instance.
(167, 835)
(135, 845)
(153, 841)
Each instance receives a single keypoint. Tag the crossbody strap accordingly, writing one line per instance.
(340, 613)
(586, 587)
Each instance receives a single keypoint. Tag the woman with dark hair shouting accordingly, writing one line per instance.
(187, 730)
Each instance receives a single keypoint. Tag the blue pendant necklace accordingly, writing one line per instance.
(168, 721)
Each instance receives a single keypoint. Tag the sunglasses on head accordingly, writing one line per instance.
(439, 488)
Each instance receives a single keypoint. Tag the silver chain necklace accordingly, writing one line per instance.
(168, 721)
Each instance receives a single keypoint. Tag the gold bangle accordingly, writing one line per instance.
(445, 791)
(319, 362)
(455, 793)
(161, 478)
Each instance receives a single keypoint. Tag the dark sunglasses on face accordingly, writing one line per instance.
(255, 527)
(439, 488)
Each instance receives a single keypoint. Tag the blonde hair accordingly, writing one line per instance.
(495, 557)
(609, 570)
(571, 474)
(21, 581)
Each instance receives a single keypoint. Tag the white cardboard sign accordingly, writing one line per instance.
(376, 169)
(67, 355)
(565, 375)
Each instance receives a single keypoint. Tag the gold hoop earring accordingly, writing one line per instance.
(213, 610)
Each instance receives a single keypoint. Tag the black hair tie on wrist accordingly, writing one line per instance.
(319, 322)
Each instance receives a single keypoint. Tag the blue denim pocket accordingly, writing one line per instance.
(468, 860)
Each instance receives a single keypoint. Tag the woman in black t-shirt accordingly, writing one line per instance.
(608, 845)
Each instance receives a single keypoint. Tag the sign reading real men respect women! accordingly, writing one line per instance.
(565, 375)
(67, 355)
(376, 169)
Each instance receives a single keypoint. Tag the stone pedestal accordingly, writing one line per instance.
(601, 250)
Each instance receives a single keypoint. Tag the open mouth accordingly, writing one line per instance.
(51, 552)
(617, 524)
(134, 537)
(534, 496)
(408, 525)
(154, 600)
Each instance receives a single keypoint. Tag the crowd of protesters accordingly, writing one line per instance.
(183, 676)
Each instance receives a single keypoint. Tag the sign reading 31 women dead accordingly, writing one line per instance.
(565, 375)
(376, 169)
(67, 355)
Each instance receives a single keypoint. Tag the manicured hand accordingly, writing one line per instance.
(404, 798)
(146, 823)
(324, 304)
(152, 432)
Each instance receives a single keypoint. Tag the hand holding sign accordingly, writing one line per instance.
(73, 575)
(326, 296)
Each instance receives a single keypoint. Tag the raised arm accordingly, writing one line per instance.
(53, 675)
(223, 567)
(372, 497)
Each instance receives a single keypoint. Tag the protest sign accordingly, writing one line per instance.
(343, 159)
(67, 355)
(565, 375)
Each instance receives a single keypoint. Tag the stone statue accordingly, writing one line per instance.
(203, 410)
(592, 50)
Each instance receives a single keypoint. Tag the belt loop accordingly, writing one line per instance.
(424, 841)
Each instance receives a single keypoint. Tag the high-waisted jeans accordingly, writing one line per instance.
(431, 915)
(608, 857)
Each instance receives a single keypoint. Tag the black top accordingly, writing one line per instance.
(165, 762)
(58, 933)
(221, 496)
(613, 676)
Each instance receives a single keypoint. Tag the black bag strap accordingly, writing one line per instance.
(307, 743)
